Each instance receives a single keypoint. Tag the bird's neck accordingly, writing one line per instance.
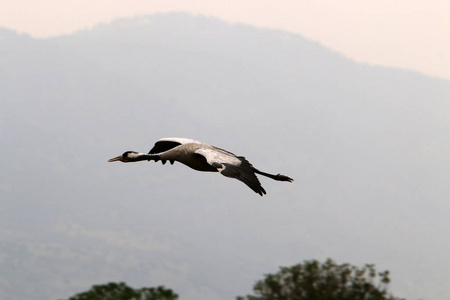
(145, 156)
(140, 156)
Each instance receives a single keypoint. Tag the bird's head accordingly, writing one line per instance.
(128, 156)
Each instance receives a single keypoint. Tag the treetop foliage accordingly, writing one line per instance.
(120, 291)
(313, 280)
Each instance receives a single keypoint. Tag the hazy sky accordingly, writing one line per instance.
(411, 34)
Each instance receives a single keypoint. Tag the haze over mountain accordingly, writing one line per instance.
(368, 148)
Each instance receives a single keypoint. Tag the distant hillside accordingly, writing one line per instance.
(368, 148)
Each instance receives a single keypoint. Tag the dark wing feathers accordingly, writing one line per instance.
(162, 146)
(244, 172)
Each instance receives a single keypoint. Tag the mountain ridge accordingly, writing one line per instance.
(367, 147)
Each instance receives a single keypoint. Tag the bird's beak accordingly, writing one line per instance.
(118, 158)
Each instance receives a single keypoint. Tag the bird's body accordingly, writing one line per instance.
(202, 157)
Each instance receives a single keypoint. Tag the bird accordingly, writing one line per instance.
(202, 157)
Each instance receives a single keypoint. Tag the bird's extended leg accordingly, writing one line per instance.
(277, 177)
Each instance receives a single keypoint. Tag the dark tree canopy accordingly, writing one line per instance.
(120, 291)
(313, 280)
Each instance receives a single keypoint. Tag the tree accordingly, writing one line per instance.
(120, 291)
(327, 281)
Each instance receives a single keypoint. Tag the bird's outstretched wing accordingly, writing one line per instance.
(165, 144)
(162, 146)
(232, 166)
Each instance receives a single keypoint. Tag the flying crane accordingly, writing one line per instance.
(202, 157)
